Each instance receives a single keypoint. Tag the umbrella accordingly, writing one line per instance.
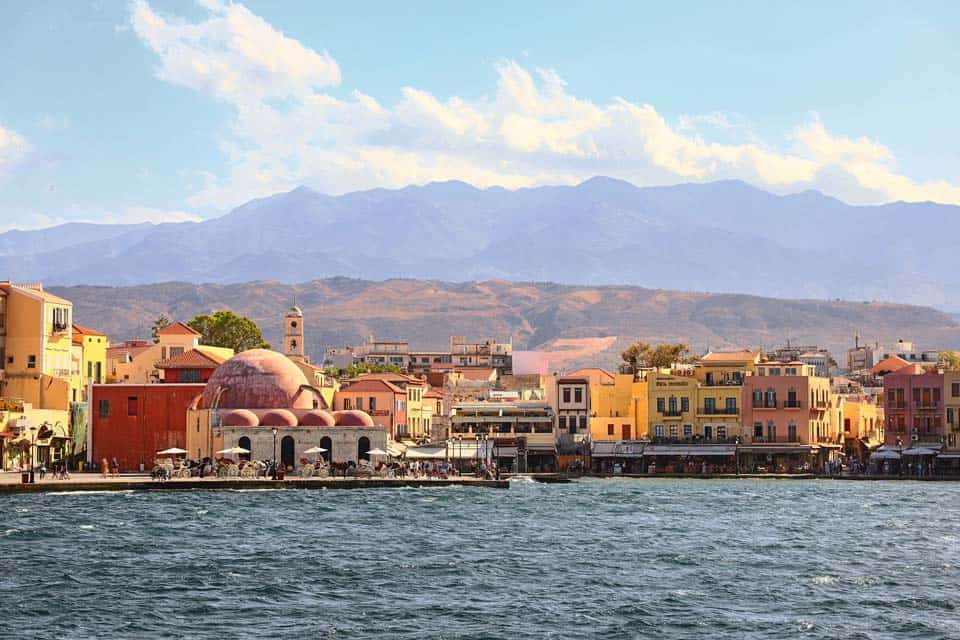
(172, 451)
(234, 450)
(377, 452)
(315, 450)
(885, 455)
(919, 451)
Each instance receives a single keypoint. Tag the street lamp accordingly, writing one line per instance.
(33, 443)
(274, 453)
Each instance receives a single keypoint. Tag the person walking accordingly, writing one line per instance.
(43, 470)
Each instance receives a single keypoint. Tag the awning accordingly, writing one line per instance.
(542, 451)
(919, 451)
(614, 449)
(426, 453)
(948, 455)
(885, 455)
(7, 434)
(506, 452)
(780, 448)
(870, 443)
(395, 449)
(692, 450)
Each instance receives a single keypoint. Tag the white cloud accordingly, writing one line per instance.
(289, 129)
(13, 149)
(129, 215)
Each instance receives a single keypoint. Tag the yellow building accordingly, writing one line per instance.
(135, 361)
(672, 402)
(89, 361)
(615, 404)
(862, 425)
(720, 389)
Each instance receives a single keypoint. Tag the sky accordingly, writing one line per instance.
(172, 110)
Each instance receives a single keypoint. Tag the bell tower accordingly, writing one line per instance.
(293, 334)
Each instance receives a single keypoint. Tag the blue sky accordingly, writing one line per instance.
(171, 110)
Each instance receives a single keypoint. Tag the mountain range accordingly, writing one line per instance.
(720, 237)
(579, 325)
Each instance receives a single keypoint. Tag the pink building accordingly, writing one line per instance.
(913, 406)
(786, 419)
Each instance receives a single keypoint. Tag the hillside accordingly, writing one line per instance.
(593, 323)
(721, 236)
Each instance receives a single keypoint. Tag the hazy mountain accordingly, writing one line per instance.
(593, 322)
(720, 236)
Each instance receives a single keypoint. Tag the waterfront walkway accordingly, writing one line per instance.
(10, 482)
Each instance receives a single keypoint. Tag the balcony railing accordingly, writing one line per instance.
(927, 406)
(717, 411)
(791, 404)
(723, 383)
(671, 413)
(764, 405)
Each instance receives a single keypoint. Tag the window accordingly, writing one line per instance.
(757, 398)
(583, 422)
(89, 369)
(721, 432)
(578, 395)
(61, 318)
(131, 405)
(771, 431)
(731, 405)
(791, 371)
(347, 404)
(562, 421)
(661, 405)
(372, 403)
(176, 351)
(949, 415)
(359, 404)
(684, 404)
(792, 431)
(658, 430)
(673, 405)
(709, 405)
(674, 430)
(31, 362)
(189, 375)
(708, 432)
(955, 389)
(758, 430)
(687, 430)
(609, 429)
(771, 399)
(774, 371)
(566, 394)
(104, 408)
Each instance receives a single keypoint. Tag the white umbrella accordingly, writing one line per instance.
(919, 451)
(172, 451)
(377, 452)
(315, 450)
(234, 450)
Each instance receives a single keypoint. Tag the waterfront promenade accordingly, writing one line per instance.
(10, 482)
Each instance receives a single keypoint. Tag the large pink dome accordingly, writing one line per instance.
(257, 379)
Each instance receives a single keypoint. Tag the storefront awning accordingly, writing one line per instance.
(602, 449)
(948, 455)
(694, 450)
(780, 448)
(870, 443)
(426, 453)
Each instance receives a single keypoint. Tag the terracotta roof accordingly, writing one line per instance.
(888, 364)
(193, 359)
(910, 370)
(720, 357)
(87, 332)
(433, 393)
(478, 374)
(371, 384)
(132, 350)
(177, 329)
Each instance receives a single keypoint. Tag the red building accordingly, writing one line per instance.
(131, 422)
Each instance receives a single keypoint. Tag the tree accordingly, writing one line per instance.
(161, 322)
(665, 355)
(227, 329)
(949, 360)
(360, 368)
(635, 354)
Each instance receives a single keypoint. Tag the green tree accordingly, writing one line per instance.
(665, 355)
(360, 368)
(227, 329)
(161, 322)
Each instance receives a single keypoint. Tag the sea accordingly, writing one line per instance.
(596, 558)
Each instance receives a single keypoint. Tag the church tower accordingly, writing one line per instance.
(293, 335)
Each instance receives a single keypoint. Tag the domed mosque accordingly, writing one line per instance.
(260, 400)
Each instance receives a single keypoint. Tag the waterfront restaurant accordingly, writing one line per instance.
(521, 434)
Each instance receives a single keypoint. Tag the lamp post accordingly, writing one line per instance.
(274, 453)
(33, 444)
(476, 461)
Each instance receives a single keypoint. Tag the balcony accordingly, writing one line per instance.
(927, 406)
(717, 411)
(765, 405)
(723, 383)
(791, 404)
(671, 414)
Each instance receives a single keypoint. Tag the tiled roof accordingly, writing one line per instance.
(177, 329)
(87, 332)
(371, 384)
(891, 363)
(193, 359)
(718, 357)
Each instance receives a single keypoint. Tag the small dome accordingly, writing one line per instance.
(240, 418)
(295, 312)
(317, 418)
(353, 418)
(257, 379)
(278, 418)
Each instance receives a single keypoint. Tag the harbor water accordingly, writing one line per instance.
(655, 558)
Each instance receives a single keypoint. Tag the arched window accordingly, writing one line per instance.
(771, 399)
(244, 443)
(771, 431)
(326, 443)
(363, 446)
(293, 344)
(792, 431)
(293, 325)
